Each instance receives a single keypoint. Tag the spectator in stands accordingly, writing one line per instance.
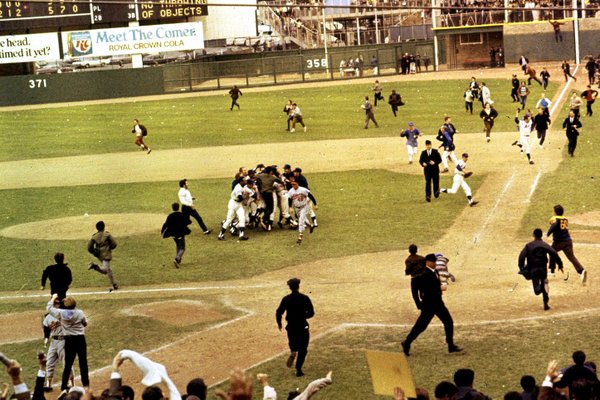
(196, 387)
(531, 390)
(463, 378)
(575, 373)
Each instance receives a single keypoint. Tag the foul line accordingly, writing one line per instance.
(562, 92)
(154, 290)
(533, 186)
(491, 213)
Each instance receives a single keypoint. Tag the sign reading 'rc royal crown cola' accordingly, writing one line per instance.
(80, 44)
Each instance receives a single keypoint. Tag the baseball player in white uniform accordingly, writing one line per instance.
(56, 351)
(524, 126)
(459, 180)
(298, 196)
(235, 208)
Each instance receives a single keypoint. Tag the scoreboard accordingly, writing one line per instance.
(25, 14)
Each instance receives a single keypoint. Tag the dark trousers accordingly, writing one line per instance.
(427, 314)
(234, 103)
(545, 83)
(534, 78)
(378, 96)
(432, 177)
(572, 137)
(394, 108)
(538, 280)
(75, 346)
(514, 95)
(588, 107)
(542, 136)
(298, 339)
(269, 206)
(488, 125)
(192, 212)
(567, 248)
(180, 246)
(469, 106)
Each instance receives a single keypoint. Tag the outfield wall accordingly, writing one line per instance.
(210, 73)
(537, 41)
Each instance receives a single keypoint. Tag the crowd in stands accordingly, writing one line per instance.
(578, 381)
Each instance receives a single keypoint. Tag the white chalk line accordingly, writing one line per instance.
(562, 92)
(493, 210)
(150, 290)
(533, 186)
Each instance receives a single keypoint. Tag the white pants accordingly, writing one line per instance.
(282, 202)
(56, 353)
(412, 151)
(301, 214)
(235, 209)
(459, 181)
(445, 155)
(524, 140)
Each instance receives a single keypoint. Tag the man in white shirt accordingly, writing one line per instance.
(187, 205)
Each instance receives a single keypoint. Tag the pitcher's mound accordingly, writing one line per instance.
(176, 312)
(82, 227)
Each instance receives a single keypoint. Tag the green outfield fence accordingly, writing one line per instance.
(210, 73)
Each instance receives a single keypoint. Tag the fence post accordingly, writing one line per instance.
(247, 80)
(302, 67)
(274, 71)
(218, 75)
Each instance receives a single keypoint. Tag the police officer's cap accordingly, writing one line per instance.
(294, 283)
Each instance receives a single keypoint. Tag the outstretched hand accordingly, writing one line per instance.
(398, 393)
(551, 371)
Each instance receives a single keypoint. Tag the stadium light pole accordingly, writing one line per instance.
(436, 60)
(325, 42)
(576, 31)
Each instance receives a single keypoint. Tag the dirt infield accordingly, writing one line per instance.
(482, 245)
(21, 327)
(175, 312)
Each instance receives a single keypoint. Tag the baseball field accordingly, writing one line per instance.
(64, 167)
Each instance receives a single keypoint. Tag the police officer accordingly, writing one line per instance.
(297, 308)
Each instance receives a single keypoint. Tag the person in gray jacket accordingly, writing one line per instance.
(73, 322)
(533, 261)
(101, 246)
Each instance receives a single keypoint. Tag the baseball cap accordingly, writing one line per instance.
(411, 123)
(287, 166)
(293, 283)
(298, 170)
(465, 155)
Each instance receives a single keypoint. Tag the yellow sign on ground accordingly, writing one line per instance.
(390, 370)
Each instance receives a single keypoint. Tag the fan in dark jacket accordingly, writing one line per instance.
(533, 262)
(176, 226)
(59, 275)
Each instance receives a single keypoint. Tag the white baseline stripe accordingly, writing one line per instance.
(533, 186)
(491, 213)
(153, 290)
(562, 92)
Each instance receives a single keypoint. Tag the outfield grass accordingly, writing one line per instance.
(574, 184)
(495, 352)
(360, 212)
(330, 112)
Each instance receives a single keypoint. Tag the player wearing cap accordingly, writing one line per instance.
(298, 309)
(446, 136)
(235, 208)
(298, 198)
(525, 125)
(561, 240)
(459, 180)
(312, 202)
(411, 134)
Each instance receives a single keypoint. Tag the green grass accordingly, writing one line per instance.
(351, 221)
(330, 112)
(495, 352)
(574, 184)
